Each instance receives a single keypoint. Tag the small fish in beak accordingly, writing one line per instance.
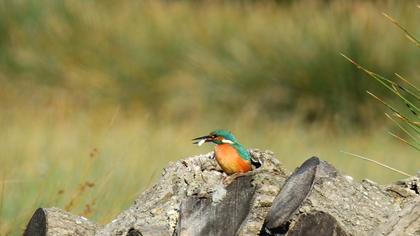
(201, 140)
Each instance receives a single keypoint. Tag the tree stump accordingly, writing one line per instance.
(191, 199)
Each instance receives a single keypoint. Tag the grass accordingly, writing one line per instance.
(405, 92)
(95, 164)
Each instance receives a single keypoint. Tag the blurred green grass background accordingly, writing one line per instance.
(96, 97)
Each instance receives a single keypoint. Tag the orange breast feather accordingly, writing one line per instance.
(230, 161)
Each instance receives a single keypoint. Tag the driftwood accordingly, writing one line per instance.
(191, 199)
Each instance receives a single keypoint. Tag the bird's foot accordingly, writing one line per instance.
(230, 178)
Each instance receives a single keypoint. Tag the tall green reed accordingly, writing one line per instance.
(406, 114)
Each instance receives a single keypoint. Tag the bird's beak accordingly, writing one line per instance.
(200, 140)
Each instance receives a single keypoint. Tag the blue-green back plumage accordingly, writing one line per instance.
(242, 151)
(229, 136)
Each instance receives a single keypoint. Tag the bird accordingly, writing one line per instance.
(231, 156)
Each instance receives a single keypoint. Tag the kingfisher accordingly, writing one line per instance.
(231, 156)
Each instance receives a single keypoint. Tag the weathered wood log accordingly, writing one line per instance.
(293, 193)
(407, 221)
(200, 216)
(54, 221)
(191, 199)
(191, 195)
(317, 200)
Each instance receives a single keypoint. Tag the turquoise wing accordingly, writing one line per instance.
(242, 151)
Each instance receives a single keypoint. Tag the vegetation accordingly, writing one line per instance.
(183, 59)
(96, 97)
(407, 120)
